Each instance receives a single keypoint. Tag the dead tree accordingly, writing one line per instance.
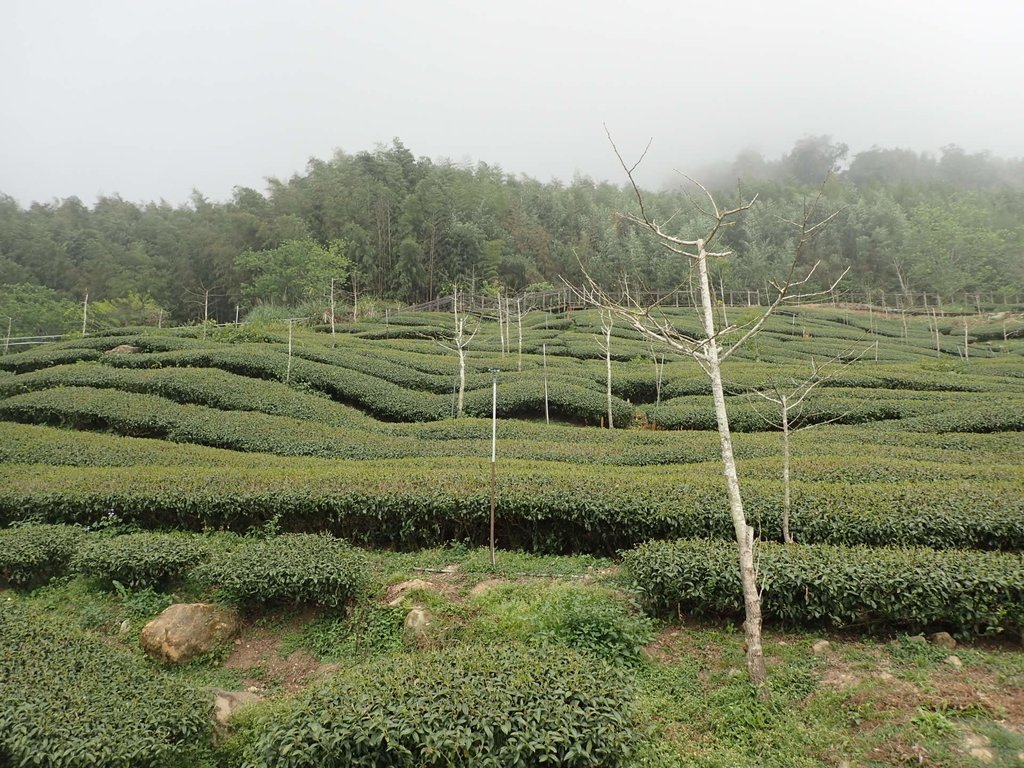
(788, 402)
(458, 342)
(709, 349)
(604, 342)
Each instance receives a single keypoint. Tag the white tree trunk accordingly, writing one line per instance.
(786, 535)
(744, 533)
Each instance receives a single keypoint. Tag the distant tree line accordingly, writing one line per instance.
(388, 224)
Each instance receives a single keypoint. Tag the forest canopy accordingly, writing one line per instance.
(396, 226)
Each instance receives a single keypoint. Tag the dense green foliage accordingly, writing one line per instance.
(69, 700)
(503, 707)
(32, 554)
(545, 506)
(138, 559)
(410, 227)
(291, 568)
(912, 588)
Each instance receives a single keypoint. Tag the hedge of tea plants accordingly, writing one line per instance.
(967, 592)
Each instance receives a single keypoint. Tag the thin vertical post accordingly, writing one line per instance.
(544, 352)
(333, 337)
(288, 374)
(494, 454)
(236, 315)
(85, 312)
(10, 323)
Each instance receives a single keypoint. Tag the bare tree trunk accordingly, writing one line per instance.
(967, 349)
(10, 324)
(744, 533)
(519, 324)
(85, 312)
(786, 535)
(606, 347)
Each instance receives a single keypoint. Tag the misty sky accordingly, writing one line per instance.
(151, 99)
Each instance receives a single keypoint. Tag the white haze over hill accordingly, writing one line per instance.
(150, 100)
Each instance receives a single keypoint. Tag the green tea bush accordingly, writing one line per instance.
(542, 506)
(44, 357)
(138, 560)
(461, 708)
(914, 588)
(311, 569)
(70, 700)
(35, 553)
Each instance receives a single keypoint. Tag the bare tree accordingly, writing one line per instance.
(458, 342)
(789, 402)
(709, 349)
(659, 375)
(605, 344)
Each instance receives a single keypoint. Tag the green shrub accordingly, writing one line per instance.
(542, 506)
(35, 553)
(914, 588)
(138, 560)
(69, 699)
(460, 708)
(312, 569)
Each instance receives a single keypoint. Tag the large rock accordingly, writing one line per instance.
(943, 639)
(187, 630)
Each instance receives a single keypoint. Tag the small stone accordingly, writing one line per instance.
(397, 592)
(226, 703)
(821, 647)
(954, 661)
(844, 764)
(417, 626)
(253, 689)
(917, 639)
(125, 628)
(943, 639)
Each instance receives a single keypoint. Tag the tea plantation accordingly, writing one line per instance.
(299, 482)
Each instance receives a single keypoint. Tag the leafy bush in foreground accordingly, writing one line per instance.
(139, 559)
(33, 554)
(967, 592)
(68, 699)
(313, 569)
(460, 708)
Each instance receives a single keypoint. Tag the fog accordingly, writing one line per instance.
(152, 100)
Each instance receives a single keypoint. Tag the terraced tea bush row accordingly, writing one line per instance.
(69, 700)
(971, 593)
(152, 416)
(463, 708)
(200, 386)
(545, 507)
(33, 554)
(292, 568)
(138, 560)
(44, 357)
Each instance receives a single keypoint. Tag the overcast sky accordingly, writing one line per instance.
(151, 99)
